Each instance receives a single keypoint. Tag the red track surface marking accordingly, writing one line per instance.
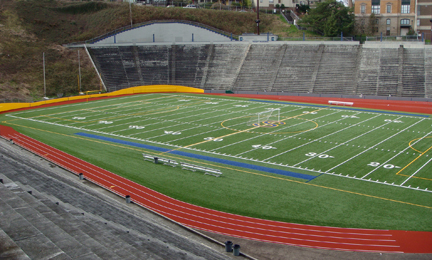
(347, 239)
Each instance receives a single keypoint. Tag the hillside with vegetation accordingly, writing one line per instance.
(33, 27)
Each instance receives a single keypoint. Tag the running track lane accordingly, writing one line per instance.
(346, 239)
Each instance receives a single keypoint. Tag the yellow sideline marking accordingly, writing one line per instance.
(420, 155)
(234, 169)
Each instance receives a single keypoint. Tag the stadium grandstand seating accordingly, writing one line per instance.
(331, 69)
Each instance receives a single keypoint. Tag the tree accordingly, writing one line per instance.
(329, 18)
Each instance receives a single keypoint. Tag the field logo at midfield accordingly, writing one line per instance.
(269, 124)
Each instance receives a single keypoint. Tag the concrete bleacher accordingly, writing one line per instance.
(297, 69)
(337, 70)
(154, 64)
(428, 71)
(190, 61)
(368, 72)
(109, 62)
(413, 77)
(316, 68)
(225, 61)
(260, 67)
(48, 213)
(388, 74)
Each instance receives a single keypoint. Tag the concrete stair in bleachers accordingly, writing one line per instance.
(388, 74)
(131, 65)
(428, 72)
(109, 63)
(224, 64)
(413, 79)
(367, 83)
(189, 63)
(154, 64)
(337, 70)
(260, 67)
(297, 68)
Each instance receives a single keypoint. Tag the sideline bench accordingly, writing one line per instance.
(193, 167)
(185, 166)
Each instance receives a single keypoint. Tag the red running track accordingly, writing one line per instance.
(347, 239)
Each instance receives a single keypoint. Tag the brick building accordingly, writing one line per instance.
(393, 17)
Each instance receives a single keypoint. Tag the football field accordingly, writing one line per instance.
(375, 157)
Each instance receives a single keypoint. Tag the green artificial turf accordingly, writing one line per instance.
(337, 146)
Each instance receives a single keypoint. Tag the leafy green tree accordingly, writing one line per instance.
(329, 18)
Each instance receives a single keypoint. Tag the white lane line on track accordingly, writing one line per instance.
(265, 225)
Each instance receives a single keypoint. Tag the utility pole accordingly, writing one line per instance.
(130, 11)
(43, 58)
(79, 72)
(257, 20)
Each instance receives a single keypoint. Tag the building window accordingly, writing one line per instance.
(388, 9)
(376, 4)
(405, 8)
(363, 9)
(376, 9)
(388, 21)
(405, 22)
(418, 22)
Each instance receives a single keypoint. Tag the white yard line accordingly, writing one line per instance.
(416, 172)
(372, 148)
(343, 129)
(406, 148)
(344, 143)
(279, 140)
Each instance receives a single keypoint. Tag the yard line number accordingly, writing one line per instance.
(385, 166)
(321, 156)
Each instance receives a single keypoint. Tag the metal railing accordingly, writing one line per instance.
(406, 38)
(333, 39)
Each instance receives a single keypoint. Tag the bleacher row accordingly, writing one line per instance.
(321, 69)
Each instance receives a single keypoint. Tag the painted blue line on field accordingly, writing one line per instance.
(343, 108)
(203, 157)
